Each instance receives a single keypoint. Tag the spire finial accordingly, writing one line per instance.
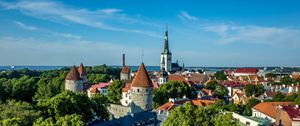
(142, 55)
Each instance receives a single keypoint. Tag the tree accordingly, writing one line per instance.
(190, 115)
(220, 75)
(286, 80)
(278, 97)
(290, 97)
(297, 100)
(20, 112)
(67, 120)
(100, 103)
(11, 122)
(252, 102)
(224, 120)
(68, 103)
(23, 88)
(255, 90)
(115, 91)
(219, 90)
(171, 89)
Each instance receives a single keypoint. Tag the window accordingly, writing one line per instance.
(146, 90)
(138, 90)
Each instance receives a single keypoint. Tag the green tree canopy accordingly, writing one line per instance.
(190, 115)
(115, 91)
(220, 75)
(21, 112)
(68, 103)
(67, 120)
(219, 90)
(255, 90)
(172, 89)
(286, 80)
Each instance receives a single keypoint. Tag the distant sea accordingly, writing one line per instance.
(133, 68)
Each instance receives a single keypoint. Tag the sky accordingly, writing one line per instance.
(212, 33)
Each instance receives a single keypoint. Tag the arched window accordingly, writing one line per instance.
(138, 90)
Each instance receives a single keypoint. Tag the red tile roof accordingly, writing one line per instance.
(170, 105)
(142, 78)
(125, 69)
(292, 111)
(269, 108)
(94, 90)
(81, 70)
(126, 88)
(73, 75)
(246, 70)
(181, 78)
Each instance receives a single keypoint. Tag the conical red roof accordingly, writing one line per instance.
(142, 78)
(73, 75)
(81, 70)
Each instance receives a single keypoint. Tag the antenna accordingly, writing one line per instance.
(142, 55)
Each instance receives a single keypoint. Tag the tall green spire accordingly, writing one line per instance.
(166, 47)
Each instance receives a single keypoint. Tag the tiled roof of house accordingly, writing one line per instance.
(292, 111)
(198, 78)
(246, 70)
(126, 88)
(181, 78)
(270, 93)
(170, 105)
(142, 78)
(73, 75)
(269, 108)
(234, 83)
(125, 69)
(94, 88)
(81, 70)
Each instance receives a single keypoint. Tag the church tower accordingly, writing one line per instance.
(141, 91)
(74, 81)
(166, 56)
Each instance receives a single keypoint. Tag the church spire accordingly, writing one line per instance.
(166, 47)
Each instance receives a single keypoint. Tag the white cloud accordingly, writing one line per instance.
(186, 16)
(111, 10)
(26, 27)
(57, 12)
(34, 28)
(273, 36)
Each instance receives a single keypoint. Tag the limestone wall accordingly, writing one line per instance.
(141, 98)
(119, 110)
(124, 76)
(74, 85)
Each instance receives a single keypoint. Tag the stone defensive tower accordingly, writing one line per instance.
(141, 91)
(125, 73)
(82, 73)
(73, 81)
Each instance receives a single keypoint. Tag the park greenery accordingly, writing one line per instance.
(30, 97)
(219, 90)
(115, 91)
(254, 90)
(172, 89)
(220, 75)
(190, 115)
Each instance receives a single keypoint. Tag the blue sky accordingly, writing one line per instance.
(201, 33)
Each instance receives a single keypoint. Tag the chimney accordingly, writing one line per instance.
(123, 60)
